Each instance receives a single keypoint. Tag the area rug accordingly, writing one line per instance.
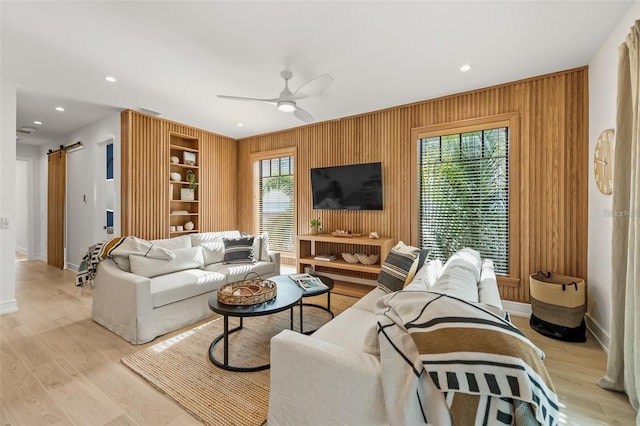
(180, 368)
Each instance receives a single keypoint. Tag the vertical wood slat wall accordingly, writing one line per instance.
(553, 167)
(145, 176)
(56, 201)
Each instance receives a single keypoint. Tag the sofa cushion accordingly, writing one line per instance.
(186, 258)
(261, 247)
(176, 286)
(207, 237)
(488, 287)
(213, 251)
(397, 270)
(349, 329)
(238, 250)
(174, 243)
(238, 271)
(122, 262)
(460, 276)
(426, 276)
(467, 258)
(369, 300)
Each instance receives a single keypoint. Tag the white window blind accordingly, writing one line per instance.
(464, 194)
(275, 201)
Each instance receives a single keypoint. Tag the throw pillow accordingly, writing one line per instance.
(238, 250)
(185, 258)
(396, 270)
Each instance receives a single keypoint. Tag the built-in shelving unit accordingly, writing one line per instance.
(309, 245)
(181, 199)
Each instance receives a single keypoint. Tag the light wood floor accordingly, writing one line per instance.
(58, 367)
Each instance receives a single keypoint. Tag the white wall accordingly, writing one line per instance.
(603, 73)
(82, 178)
(23, 192)
(8, 301)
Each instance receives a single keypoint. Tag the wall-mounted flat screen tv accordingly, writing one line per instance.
(351, 187)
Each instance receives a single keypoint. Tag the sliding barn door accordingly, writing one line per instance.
(55, 207)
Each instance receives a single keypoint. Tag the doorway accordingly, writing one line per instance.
(104, 191)
(24, 208)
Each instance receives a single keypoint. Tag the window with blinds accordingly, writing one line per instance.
(275, 201)
(464, 194)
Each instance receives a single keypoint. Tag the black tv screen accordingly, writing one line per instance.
(352, 187)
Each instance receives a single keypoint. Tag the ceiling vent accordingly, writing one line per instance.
(26, 130)
(146, 111)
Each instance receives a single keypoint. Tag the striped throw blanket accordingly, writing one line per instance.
(119, 246)
(447, 361)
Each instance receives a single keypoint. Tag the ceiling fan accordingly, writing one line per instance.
(286, 102)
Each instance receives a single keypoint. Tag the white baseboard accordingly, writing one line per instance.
(73, 267)
(601, 336)
(8, 306)
(517, 308)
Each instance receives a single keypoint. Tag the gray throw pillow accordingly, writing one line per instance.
(395, 270)
(238, 250)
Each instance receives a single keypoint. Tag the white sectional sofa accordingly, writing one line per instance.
(330, 378)
(140, 298)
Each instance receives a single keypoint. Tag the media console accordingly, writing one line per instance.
(309, 245)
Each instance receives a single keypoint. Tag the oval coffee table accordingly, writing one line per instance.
(288, 295)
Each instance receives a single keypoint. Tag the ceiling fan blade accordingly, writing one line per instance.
(239, 98)
(312, 87)
(303, 115)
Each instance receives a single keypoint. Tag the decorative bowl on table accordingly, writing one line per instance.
(350, 258)
(367, 259)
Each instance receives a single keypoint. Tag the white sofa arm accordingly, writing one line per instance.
(119, 297)
(274, 256)
(314, 382)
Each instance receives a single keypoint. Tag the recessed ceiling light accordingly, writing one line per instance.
(37, 122)
(110, 78)
(465, 68)
(240, 124)
(59, 109)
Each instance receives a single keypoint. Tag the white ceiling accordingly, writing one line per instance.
(175, 56)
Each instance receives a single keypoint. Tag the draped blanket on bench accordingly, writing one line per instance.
(119, 246)
(447, 361)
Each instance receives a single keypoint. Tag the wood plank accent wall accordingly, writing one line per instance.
(145, 176)
(552, 113)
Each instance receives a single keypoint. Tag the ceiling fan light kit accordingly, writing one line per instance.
(287, 106)
(286, 101)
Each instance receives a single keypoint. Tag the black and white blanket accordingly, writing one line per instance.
(447, 361)
(119, 246)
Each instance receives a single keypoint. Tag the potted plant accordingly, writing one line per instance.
(316, 226)
(191, 178)
(189, 194)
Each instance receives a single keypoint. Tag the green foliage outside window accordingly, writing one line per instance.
(276, 192)
(464, 194)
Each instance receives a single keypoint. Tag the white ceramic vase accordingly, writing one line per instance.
(175, 176)
(189, 226)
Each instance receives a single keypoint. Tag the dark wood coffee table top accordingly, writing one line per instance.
(287, 295)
